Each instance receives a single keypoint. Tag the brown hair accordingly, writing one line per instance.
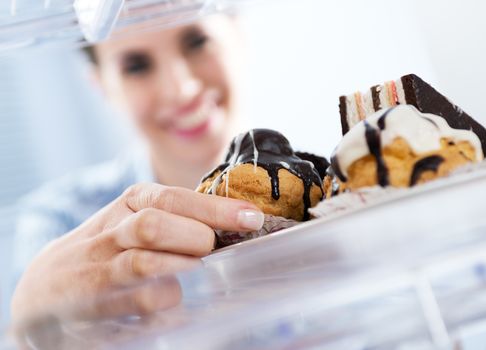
(91, 54)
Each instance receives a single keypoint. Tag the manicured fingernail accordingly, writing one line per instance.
(251, 219)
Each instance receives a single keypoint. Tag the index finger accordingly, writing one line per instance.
(215, 211)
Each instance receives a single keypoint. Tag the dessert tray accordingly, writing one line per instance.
(389, 270)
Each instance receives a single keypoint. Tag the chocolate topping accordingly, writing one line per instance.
(430, 163)
(320, 163)
(381, 121)
(374, 144)
(270, 150)
(336, 168)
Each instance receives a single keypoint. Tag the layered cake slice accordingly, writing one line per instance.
(409, 89)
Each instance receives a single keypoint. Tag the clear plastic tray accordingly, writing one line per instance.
(408, 272)
(412, 226)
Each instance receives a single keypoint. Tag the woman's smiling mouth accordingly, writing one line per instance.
(195, 119)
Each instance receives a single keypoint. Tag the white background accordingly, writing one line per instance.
(309, 52)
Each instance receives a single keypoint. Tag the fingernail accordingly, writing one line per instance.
(251, 219)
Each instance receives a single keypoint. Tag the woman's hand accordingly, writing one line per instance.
(149, 230)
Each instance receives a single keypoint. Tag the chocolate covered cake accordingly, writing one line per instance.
(409, 89)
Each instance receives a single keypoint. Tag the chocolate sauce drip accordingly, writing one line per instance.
(274, 153)
(273, 173)
(431, 163)
(381, 120)
(320, 163)
(337, 169)
(374, 144)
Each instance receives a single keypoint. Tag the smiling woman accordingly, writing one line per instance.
(180, 89)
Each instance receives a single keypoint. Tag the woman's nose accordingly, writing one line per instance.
(178, 85)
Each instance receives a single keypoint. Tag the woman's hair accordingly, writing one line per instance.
(90, 53)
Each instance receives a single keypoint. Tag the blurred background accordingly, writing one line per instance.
(302, 54)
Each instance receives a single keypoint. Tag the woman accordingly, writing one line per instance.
(179, 87)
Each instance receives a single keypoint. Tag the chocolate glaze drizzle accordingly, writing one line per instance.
(381, 121)
(431, 163)
(374, 144)
(336, 168)
(320, 163)
(270, 150)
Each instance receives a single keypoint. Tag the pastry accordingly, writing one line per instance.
(399, 147)
(261, 167)
(412, 90)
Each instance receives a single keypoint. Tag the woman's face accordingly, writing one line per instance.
(178, 85)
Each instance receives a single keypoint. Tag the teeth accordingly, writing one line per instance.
(193, 120)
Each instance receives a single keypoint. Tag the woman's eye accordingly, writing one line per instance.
(136, 64)
(195, 40)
